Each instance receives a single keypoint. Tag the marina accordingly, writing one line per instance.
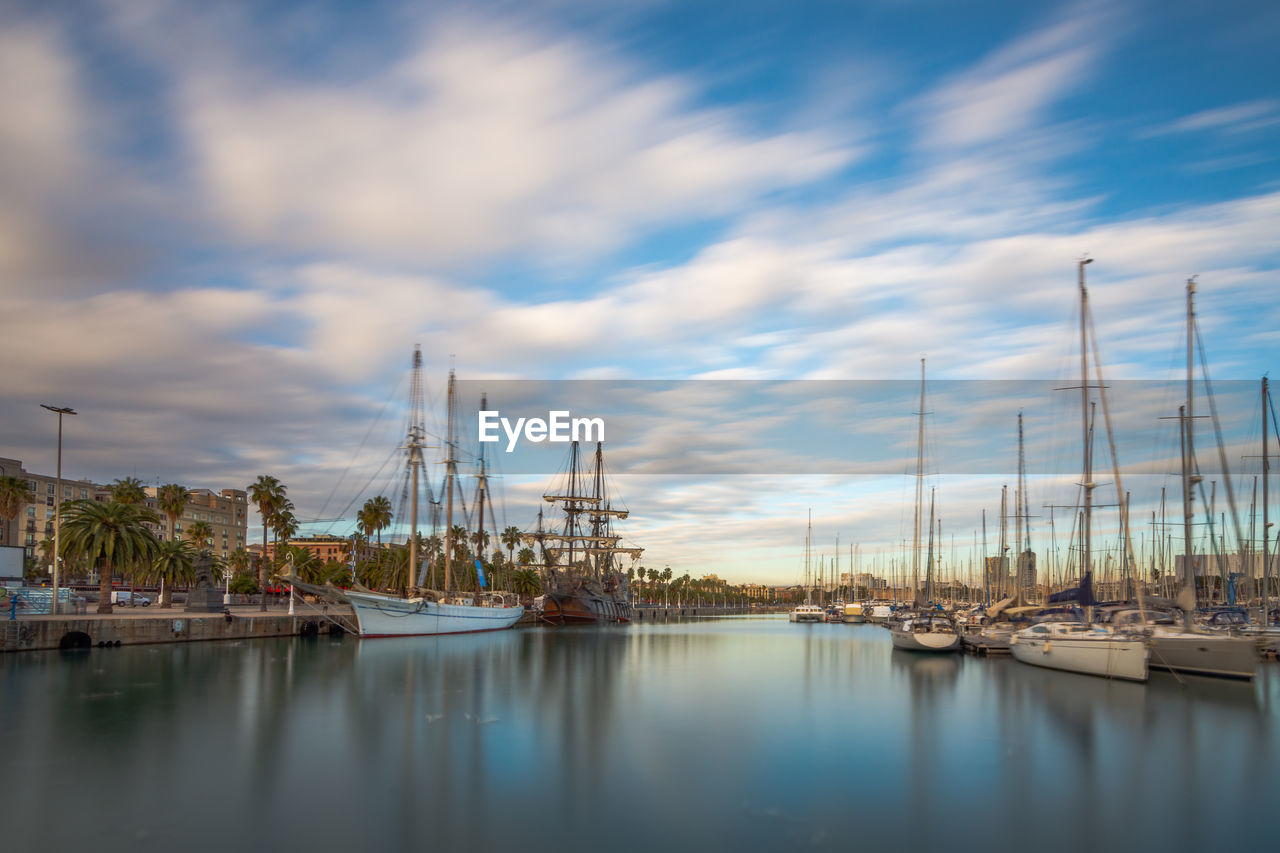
(748, 733)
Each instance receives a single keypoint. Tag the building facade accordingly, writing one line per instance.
(226, 512)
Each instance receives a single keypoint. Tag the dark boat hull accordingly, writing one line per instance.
(561, 608)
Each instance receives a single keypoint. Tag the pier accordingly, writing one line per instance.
(144, 626)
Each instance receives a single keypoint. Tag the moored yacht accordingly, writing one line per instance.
(1083, 648)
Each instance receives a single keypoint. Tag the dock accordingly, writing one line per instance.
(133, 626)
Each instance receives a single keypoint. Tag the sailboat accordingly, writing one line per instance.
(1083, 647)
(808, 611)
(582, 581)
(1187, 648)
(924, 630)
(422, 611)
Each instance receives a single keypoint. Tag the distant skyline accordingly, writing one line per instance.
(224, 228)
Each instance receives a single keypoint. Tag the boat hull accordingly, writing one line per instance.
(579, 609)
(1109, 658)
(1205, 654)
(386, 616)
(925, 641)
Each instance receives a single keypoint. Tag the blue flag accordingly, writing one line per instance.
(480, 574)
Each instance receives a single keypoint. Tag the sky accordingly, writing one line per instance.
(223, 228)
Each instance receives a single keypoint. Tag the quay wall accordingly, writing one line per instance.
(659, 613)
(67, 632)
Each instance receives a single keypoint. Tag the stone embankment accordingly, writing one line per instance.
(138, 626)
(660, 613)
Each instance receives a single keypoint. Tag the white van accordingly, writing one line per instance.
(133, 599)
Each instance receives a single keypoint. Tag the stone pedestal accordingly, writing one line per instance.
(204, 597)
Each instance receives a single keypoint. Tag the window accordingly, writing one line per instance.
(31, 512)
(67, 492)
(31, 484)
(84, 494)
(50, 489)
(48, 501)
(48, 513)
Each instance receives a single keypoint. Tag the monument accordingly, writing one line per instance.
(204, 597)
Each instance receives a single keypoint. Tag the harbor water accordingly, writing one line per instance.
(746, 733)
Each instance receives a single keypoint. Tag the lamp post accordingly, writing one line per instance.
(57, 504)
(293, 590)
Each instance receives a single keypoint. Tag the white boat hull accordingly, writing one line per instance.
(388, 616)
(925, 641)
(1204, 654)
(1107, 657)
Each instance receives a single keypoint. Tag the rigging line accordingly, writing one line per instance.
(1217, 431)
(342, 515)
(394, 394)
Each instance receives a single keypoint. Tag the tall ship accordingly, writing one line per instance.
(415, 609)
(582, 578)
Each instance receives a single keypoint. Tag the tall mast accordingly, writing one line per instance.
(448, 506)
(915, 546)
(1003, 559)
(986, 572)
(1266, 526)
(1188, 570)
(481, 485)
(596, 519)
(1189, 454)
(415, 463)
(1018, 499)
(1084, 416)
(808, 538)
(928, 574)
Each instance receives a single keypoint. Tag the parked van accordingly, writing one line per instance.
(131, 599)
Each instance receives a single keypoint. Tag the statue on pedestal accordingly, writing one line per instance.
(204, 597)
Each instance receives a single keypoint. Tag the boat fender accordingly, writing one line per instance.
(1048, 647)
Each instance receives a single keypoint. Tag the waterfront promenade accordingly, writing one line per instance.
(146, 625)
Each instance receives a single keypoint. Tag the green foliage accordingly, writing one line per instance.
(112, 533)
(128, 491)
(244, 584)
(14, 492)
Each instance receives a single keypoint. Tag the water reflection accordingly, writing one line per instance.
(750, 733)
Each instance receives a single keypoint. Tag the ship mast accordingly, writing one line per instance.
(480, 490)
(1085, 564)
(448, 511)
(915, 544)
(1189, 479)
(415, 462)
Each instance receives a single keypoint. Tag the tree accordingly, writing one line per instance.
(200, 534)
(14, 492)
(112, 533)
(666, 579)
(525, 557)
(526, 583)
(172, 565)
(268, 493)
(128, 491)
(172, 500)
(376, 516)
(510, 539)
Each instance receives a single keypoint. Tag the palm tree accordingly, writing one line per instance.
(200, 534)
(114, 533)
(172, 499)
(377, 516)
(267, 492)
(14, 492)
(525, 556)
(127, 491)
(666, 579)
(640, 576)
(526, 583)
(510, 539)
(285, 526)
(172, 564)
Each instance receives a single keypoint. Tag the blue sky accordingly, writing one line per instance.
(224, 228)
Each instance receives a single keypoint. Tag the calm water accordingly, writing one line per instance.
(747, 734)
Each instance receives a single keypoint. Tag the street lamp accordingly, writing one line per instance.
(57, 504)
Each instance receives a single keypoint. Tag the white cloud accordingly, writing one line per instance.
(480, 142)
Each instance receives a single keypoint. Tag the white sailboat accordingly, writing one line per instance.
(924, 630)
(1073, 646)
(425, 612)
(807, 612)
(1189, 648)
